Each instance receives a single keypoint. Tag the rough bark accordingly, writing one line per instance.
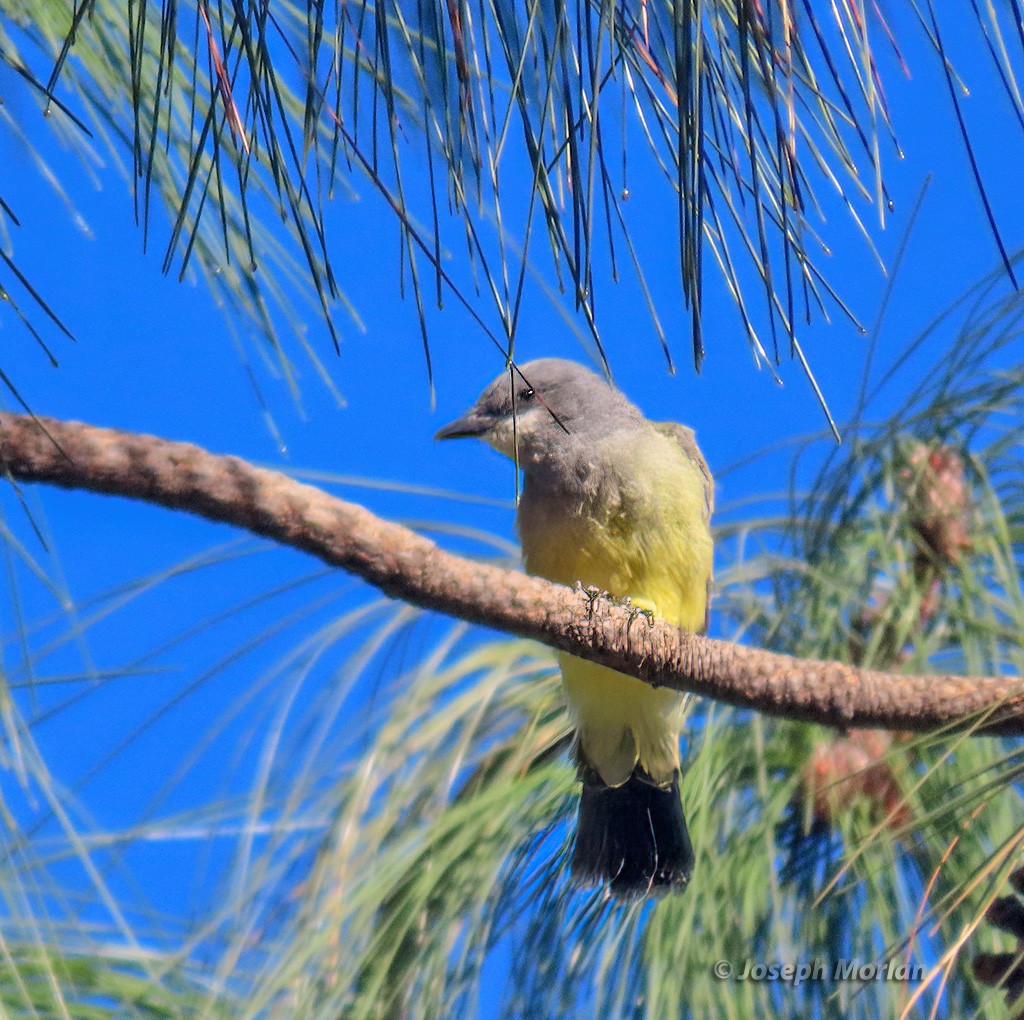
(414, 569)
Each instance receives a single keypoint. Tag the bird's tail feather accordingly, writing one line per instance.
(632, 836)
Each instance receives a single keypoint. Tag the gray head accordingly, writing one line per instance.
(552, 403)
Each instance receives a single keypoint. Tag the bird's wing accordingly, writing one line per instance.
(687, 440)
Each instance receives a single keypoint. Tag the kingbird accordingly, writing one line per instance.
(615, 502)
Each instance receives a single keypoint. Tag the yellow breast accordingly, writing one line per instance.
(644, 534)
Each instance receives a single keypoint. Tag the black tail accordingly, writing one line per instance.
(632, 836)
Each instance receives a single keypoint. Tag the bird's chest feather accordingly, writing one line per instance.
(633, 527)
(574, 538)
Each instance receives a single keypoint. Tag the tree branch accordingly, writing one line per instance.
(409, 567)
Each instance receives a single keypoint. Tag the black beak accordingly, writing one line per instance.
(472, 423)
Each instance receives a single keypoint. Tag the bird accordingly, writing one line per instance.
(614, 502)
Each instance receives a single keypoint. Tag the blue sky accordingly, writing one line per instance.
(153, 355)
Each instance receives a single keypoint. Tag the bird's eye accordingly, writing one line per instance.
(526, 395)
